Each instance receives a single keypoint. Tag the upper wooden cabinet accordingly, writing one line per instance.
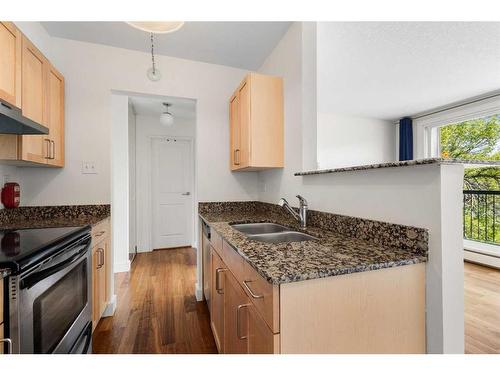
(256, 124)
(55, 114)
(30, 82)
(10, 64)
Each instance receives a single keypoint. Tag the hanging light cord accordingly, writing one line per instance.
(153, 54)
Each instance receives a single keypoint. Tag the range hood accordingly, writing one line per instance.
(13, 122)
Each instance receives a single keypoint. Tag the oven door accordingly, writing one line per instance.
(55, 302)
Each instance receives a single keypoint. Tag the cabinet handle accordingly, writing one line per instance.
(238, 320)
(101, 258)
(256, 296)
(217, 287)
(237, 156)
(48, 144)
(100, 233)
(9, 345)
(53, 150)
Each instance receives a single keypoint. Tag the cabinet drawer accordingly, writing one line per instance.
(100, 231)
(264, 296)
(233, 261)
(216, 241)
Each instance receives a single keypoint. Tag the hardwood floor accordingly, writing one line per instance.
(482, 309)
(157, 310)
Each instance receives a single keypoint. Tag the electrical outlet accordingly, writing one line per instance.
(88, 167)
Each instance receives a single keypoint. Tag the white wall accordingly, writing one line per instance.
(91, 72)
(132, 179)
(120, 182)
(148, 127)
(346, 140)
(422, 196)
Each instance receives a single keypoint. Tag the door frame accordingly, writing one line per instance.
(192, 188)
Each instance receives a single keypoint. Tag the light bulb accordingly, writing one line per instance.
(166, 119)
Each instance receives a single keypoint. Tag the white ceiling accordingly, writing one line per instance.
(387, 70)
(239, 44)
(152, 106)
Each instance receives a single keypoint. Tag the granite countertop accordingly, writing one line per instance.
(53, 216)
(332, 254)
(405, 163)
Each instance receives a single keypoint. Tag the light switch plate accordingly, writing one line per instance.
(88, 167)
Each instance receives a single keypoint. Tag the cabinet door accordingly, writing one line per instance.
(244, 122)
(10, 63)
(107, 270)
(261, 339)
(101, 272)
(236, 306)
(218, 288)
(234, 132)
(34, 105)
(55, 116)
(95, 287)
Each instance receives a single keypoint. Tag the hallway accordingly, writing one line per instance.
(157, 310)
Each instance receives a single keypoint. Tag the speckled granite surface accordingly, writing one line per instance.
(345, 244)
(53, 216)
(405, 163)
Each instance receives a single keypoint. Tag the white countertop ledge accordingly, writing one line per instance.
(405, 163)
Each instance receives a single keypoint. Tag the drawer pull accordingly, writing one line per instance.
(238, 309)
(256, 296)
(100, 233)
(217, 287)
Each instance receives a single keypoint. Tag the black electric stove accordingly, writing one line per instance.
(20, 249)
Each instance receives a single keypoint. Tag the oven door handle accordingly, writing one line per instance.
(35, 278)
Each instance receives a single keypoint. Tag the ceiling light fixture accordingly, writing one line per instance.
(166, 118)
(155, 27)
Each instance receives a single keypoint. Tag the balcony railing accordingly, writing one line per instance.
(480, 221)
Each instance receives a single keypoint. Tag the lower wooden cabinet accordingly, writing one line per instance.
(217, 301)
(101, 270)
(236, 305)
(236, 323)
(261, 340)
(380, 311)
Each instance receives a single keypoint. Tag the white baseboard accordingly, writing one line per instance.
(486, 260)
(122, 267)
(110, 307)
(482, 253)
(198, 292)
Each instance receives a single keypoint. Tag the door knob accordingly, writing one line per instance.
(186, 193)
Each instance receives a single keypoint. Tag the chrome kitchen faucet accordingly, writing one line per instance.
(301, 217)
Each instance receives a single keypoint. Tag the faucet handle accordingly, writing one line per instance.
(282, 202)
(302, 200)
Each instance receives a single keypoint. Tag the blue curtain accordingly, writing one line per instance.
(405, 139)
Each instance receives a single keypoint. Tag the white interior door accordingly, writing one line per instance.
(172, 195)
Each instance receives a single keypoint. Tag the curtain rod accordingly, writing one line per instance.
(457, 105)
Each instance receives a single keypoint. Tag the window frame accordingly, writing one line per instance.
(426, 128)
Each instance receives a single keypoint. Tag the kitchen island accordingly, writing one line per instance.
(359, 287)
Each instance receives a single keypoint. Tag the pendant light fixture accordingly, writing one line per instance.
(155, 27)
(166, 118)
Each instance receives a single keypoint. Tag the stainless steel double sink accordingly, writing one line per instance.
(271, 233)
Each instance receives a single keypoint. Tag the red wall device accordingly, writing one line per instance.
(11, 195)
